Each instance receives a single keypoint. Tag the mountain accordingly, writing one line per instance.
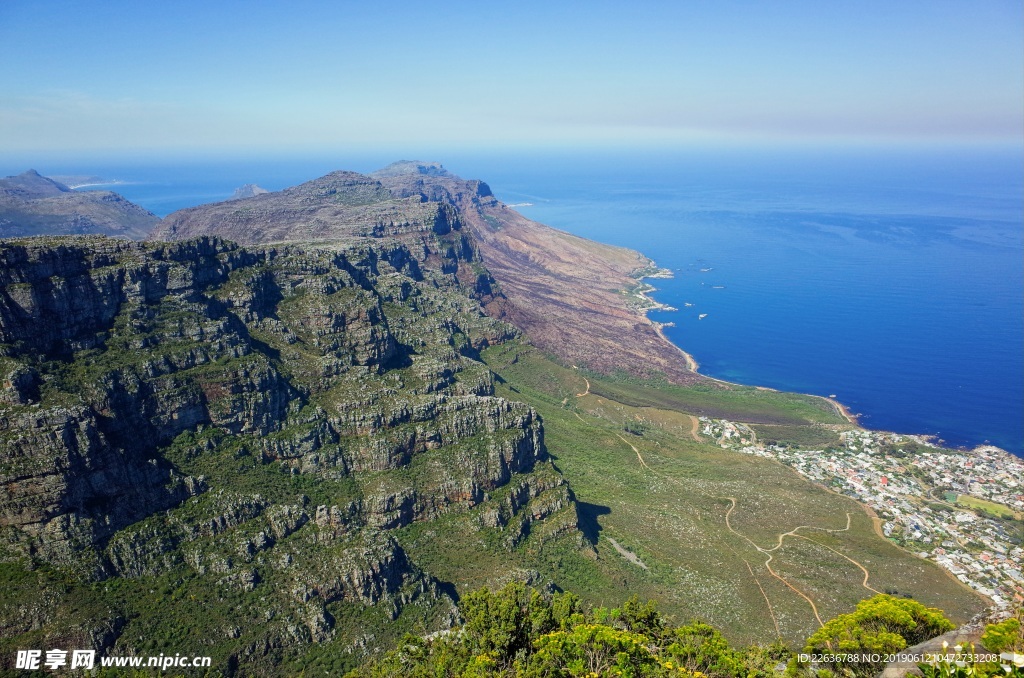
(342, 207)
(30, 184)
(573, 297)
(31, 204)
(576, 298)
(248, 191)
(291, 428)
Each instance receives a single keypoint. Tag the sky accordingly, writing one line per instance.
(258, 76)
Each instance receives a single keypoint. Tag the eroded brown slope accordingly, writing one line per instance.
(563, 291)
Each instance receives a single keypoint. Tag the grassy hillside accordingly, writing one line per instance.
(676, 518)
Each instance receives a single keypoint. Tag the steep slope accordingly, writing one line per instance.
(573, 297)
(31, 204)
(246, 430)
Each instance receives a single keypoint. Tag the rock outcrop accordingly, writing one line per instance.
(248, 191)
(264, 428)
(199, 416)
(572, 297)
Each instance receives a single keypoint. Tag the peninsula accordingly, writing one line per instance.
(31, 204)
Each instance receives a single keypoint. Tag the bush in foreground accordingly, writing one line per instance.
(518, 631)
(880, 625)
(521, 632)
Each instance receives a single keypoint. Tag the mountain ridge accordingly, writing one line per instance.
(575, 298)
(31, 184)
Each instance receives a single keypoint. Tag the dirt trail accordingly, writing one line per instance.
(814, 608)
(587, 391)
(862, 568)
(626, 553)
(767, 565)
(792, 533)
(642, 462)
(768, 552)
(876, 522)
(778, 634)
(694, 428)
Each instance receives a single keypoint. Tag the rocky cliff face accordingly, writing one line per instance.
(31, 204)
(349, 209)
(222, 448)
(250, 430)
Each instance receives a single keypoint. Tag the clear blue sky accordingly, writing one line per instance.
(299, 75)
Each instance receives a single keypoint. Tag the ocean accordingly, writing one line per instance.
(892, 279)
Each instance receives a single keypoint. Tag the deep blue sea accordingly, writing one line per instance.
(890, 278)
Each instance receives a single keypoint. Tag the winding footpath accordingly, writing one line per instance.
(766, 551)
(694, 428)
(793, 533)
(587, 391)
(767, 563)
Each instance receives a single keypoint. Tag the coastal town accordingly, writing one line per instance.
(963, 509)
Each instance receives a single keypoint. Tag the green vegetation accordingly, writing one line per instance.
(806, 437)
(740, 403)
(879, 626)
(987, 508)
(670, 511)
(907, 448)
(518, 631)
(961, 669)
(288, 471)
(1006, 636)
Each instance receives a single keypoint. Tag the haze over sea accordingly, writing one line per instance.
(890, 278)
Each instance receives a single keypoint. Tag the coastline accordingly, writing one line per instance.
(955, 562)
(691, 362)
(693, 366)
(116, 182)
